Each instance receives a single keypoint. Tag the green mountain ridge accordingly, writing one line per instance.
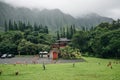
(54, 19)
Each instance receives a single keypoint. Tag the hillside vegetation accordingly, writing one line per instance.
(102, 41)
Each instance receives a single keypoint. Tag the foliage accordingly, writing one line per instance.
(21, 26)
(20, 38)
(9, 41)
(66, 31)
(29, 48)
(70, 53)
(110, 42)
(8, 47)
(79, 40)
(105, 41)
(102, 41)
(26, 47)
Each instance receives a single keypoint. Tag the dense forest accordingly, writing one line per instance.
(19, 37)
(100, 41)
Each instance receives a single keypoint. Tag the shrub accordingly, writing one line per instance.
(70, 53)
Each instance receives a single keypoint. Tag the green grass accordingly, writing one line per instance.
(89, 70)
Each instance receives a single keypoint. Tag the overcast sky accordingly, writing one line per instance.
(108, 8)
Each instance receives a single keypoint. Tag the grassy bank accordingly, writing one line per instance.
(93, 69)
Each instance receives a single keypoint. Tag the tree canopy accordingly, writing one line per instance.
(101, 41)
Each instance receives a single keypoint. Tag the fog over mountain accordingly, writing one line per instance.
(76, 8)
(53, 18)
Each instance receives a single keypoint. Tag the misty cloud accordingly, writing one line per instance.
(109, 8)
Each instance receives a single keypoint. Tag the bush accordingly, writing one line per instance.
(70, 53)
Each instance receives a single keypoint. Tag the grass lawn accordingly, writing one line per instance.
(89, 70)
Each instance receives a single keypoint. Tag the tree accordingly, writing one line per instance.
(8, 47)
(63, 32)
(58, 36)
(104, 25)
(12, 36)
(104, 40)
(29, 26)
(20, 26)
(26, 47)
(79, 40)
(68, 33)
(71, 31)
(6, 26)
(10, 25)
(110, 42)
(35, 27)
(74, 29)
(23, 26)
(15, 26)
(46, 29)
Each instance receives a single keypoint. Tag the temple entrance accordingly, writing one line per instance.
(55, 55)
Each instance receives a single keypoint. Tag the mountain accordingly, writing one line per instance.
(52, 18)
(92, 19)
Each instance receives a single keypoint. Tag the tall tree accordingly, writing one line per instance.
(61, 35)
(24, 26)
(74, 29)
(10, 25)
(63, 32)
(35, 27)
(79, 40)
(20, 26)
(58, 36)
(15, 26)
(29, 26)
(6, 26)
(46, 30)
(68, 33)
(71, 31)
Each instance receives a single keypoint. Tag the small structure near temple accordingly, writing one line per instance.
(43, 54)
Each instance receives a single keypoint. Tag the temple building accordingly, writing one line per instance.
(62, 42)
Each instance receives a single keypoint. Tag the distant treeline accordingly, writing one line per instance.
(66, 32)
(13, 25)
